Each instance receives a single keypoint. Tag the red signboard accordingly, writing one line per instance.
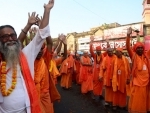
(116, 44)
(147, 42)
(121, 32)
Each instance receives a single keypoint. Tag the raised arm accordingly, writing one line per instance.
(33, 19)
(45, 20)
(91, 47)
(58, 45)
(32, 49)
(64, 41)
(128, 47)
(49, 43)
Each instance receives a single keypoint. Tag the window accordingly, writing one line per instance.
(148, 30)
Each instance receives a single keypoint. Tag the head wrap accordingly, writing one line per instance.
(98, 48)
(138, 44)
(119, 49)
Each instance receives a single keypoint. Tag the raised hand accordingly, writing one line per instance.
(39, 21)
(92, 38)
(129, 31)
(63, 38)
(107, 40)
(33, 18)
(49, 5)
(60, 37)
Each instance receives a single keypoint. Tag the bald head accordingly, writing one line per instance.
(110, 51)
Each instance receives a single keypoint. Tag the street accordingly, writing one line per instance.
(72, 101)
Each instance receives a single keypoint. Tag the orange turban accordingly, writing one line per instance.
(98, 48)
(119, 49)
(138, 44)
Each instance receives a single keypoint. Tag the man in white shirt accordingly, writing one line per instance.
(17, 90)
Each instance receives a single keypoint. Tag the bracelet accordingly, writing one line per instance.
(24, 31)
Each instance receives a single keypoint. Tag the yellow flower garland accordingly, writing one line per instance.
(98, 58)
(4, 91)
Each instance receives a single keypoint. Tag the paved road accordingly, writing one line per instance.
(73, 101)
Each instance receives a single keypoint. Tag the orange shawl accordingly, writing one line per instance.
(54, 94)
(67, 64)
(115, 73)
(107, 69)
(138, 66)
(30, 85)
(85, 70)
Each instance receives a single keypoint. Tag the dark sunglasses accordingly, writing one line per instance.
(7, 36)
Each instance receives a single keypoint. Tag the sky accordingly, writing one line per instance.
(69, 16)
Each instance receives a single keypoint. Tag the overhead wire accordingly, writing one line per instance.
(91, 11)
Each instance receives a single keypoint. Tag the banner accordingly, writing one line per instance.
(121, 32)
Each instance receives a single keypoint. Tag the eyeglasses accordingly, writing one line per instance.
(7, 36)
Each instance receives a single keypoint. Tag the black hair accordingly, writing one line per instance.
(9, 26)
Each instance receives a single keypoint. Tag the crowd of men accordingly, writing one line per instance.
(29, 70)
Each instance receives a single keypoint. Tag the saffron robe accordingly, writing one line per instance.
(120, 75)
(106, 72)
(97, 84)
(139, 101)
(54, 94)
(86, 77)
(78, 65)
(66, 71)
(41, 80)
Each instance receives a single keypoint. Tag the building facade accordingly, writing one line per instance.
(115, 32)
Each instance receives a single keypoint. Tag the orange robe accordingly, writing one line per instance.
(139, 101)
(45, 84)
(106, 71)
(42, 85)
(120, 75)
(30, 85)
(86, 77)
(97, 84)
(66, 71)
(78, 65)
(53, 68)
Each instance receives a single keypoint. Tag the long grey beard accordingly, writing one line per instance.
(11, 53)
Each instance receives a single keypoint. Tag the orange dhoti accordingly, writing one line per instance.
(66, 70)
(148, 100)
(119, 99)
(86, 76)
(138, 99)
(87, 85)
(47, 105)
(108, 94)
(97, 87)
(77, 63)
(66, 80)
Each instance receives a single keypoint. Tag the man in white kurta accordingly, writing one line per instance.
(18, 100)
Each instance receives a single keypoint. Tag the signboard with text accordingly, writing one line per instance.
(116, 44)
(121, 32)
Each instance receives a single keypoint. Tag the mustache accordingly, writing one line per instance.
(10, 42)
(10, 51)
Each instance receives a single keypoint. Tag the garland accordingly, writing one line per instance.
(7, 92)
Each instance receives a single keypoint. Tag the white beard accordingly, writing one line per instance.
(11, 53)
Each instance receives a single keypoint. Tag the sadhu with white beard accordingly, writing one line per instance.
(17, 89)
